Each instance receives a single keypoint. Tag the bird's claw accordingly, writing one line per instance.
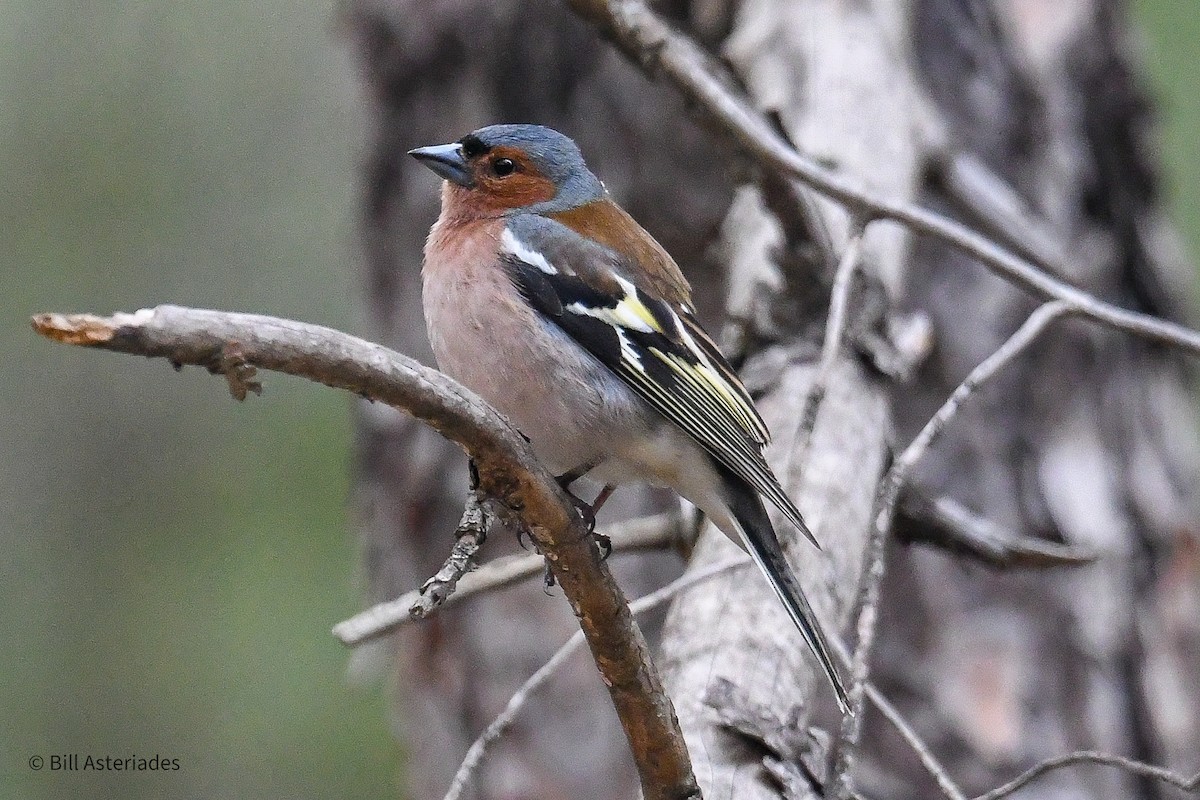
(586, 514)
(603, 544)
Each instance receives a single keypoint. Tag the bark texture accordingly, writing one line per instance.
(434, 71)
(826, 70)
(1087, 440)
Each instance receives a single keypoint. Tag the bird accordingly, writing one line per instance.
(546, 298)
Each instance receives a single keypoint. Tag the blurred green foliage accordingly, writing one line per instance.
(1171, 48)
(173, 560)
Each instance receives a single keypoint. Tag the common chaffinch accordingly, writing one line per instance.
(547, 299)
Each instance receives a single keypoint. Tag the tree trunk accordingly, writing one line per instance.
(435, 71)
(1087, 440)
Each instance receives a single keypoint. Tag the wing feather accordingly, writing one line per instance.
(664, 355)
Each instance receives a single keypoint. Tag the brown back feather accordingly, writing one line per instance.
(606, 223)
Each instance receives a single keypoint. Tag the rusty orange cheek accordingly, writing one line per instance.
(518, 190)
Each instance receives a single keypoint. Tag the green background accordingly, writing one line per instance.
(173, 560)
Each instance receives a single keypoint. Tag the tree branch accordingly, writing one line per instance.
(663, 52)
(924, 754)
(889, 492)
(1190, 785)
(1030, 330)
(235, 345)
(831, 350)
(707, 87)
(648, 533)
(947, 524)
(469, 536)
(504, 719)
(497, 727)
(942, 522)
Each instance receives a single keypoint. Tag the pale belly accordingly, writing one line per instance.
(573, 410)
(571, 407)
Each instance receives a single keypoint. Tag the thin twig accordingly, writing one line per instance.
(952, 790)
(663, 52)
(647, 533)
(999, 208)
(509, 472)
(947, 524)
(885, 505)
(505, 718)
(1190, 785)
(923, 752)
(941, 523)
(831, 349)
(1030, 330)
(470, 535)
(839, 300)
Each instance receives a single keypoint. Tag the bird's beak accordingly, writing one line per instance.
(446, 160)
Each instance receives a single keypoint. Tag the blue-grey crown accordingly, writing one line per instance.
(556, 156)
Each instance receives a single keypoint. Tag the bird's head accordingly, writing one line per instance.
(503, 168)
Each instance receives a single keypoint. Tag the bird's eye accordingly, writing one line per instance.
(503, 166)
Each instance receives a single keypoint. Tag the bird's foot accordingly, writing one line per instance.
(604, 544)
(587, 513)
(570, 476)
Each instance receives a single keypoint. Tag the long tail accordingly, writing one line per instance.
(759, 534)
